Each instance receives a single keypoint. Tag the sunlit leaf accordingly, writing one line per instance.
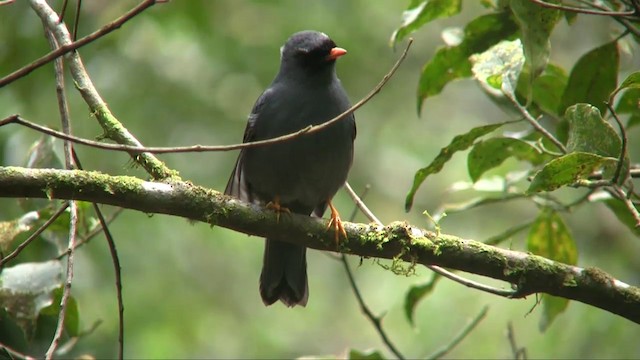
(593, 78)
(26, 289)
(568, 169)
(417, 293)
(365, 355)
(421, 12)
(488, 154)
(450, 63)
(499, 67)
(536, 24)
(631, 82)
(459, 143)
(550, 237)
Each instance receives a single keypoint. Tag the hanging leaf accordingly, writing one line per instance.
(550, 237)
(459, 143)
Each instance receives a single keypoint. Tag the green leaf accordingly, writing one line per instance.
(536, 24)
(365, 355)
(72, 316)
(623, 214)
(629, 103)
(631, 82)
(421, 12)
(417, 293)
(498, 68)
(550, 237)
(589, 132)
(593, 78)
(26, 289)
(568, 169)
(459, 143)
(450, 63)
(488, 154)
(548, 89)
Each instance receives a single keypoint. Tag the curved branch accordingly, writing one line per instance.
(399, 240)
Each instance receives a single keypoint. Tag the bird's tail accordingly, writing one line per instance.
(284, 274)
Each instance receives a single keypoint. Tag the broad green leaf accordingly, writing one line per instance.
(417, 293)
(631, 82)
(623, 214)
(593, 78)
(488, 154)
(421, 12)
(499, 67)
(589, 132)
(629, 103)
(547, 89)
(568, 169)
(450, 63)
(536, 24)
(26, 289)
(72, 316)
(365, 355)
(550, 237)
(459, 143)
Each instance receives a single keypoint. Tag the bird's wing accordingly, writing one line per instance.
(237, 185)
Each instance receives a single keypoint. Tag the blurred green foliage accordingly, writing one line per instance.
(188, 72)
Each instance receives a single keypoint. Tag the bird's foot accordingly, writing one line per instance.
(275, 206)
(336, 223)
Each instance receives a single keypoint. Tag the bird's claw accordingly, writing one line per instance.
(336, 223)
(275, 206)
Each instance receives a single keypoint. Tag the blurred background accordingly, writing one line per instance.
(188, 72)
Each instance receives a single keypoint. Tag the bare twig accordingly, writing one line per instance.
(201, 148)
(112, 127)
(375, 320)
(64, 49)
(115, 259)
(623, 147)
(519, 353)
(437, 269)
(66, 293)
(584, 10)
(463, 333)
(536, 125)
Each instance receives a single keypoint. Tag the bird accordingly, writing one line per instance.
(299, 175)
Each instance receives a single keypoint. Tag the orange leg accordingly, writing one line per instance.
(336, 223)
(275, 206)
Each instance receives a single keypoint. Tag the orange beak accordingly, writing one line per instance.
(335, 53)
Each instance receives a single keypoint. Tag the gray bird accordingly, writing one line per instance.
(303, 174)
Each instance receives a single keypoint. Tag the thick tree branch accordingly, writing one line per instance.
(399, 240)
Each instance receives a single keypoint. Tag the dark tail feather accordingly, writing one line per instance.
(284, 274)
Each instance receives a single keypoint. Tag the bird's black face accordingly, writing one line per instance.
(311, 50)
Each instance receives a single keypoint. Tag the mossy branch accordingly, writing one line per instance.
(399, 240)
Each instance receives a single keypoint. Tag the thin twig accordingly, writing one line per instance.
(115, 259)
(519, 353)
(536, 125)
(463, 333)
(583, 10)
(66, 293)
(437, 269)
(12, 353)
(111, 126)
(64, 49)
(375, 320)
(201, 148)
(623, 147)
(33, 236)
